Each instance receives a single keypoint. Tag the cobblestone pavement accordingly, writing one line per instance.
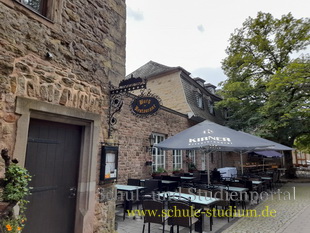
(291, 211)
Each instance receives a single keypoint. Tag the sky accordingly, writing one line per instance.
(193, 34)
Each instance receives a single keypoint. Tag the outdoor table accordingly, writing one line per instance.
(267, 180)
(163, 181)
(194, 199)
(187, 178)
(129, 189)
(231, 188)
(257, 182)
(165, 184)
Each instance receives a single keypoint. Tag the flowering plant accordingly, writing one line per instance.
(15, 189)
(13, 225)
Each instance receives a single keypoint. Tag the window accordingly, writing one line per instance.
(199, 101)
(211, 107)
(39, 6)
(192, 156)
(177, 159)
(158, 155)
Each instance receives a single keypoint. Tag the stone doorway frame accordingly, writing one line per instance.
(29, 108)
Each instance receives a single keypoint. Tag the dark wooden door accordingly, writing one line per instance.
(52, 158)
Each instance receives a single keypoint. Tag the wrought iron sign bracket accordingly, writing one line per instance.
(116, 97)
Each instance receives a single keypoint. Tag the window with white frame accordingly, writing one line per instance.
(200, 100)
(177, 159)
(192, 156)
(158, 155)
(211, 107)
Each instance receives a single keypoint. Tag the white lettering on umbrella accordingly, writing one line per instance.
(222, 140)
(208, 131)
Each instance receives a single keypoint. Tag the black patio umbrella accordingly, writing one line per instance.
(210, 137)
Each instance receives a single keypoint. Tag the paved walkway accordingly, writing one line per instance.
(292, 213)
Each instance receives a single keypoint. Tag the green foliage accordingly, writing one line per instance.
(191, 166)
(302, 143)
(15, 224)
(16, 179)
(15, 190)
(160, 170)
(267, 93)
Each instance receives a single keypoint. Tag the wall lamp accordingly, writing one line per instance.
(151, 141)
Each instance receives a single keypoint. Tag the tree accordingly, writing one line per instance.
(267, 92)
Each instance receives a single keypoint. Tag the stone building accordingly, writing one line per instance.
(180, 92)
(191, 98)
(56, 60)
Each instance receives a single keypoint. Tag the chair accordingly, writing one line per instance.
(151, 206)
(204, 178)
(224, 201)
(242, 197)
(173, 187)
(196, 174)
(216, 177)
(189, 190)
(274, 181)
(151, 186)
(135, 182)
(136, 197)
(180, 214)
(207, 193)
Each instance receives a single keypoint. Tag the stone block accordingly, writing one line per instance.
(30, 89)
(6, 68)
(43, 92)
(22, 67)
(64, 97)
(4, 84)
(10, 118)
(67, 82)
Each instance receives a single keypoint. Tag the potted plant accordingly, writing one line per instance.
(178, 171)
(192, 167)
(160, 171)
(14, 189)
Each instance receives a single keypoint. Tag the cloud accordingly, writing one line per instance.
(200, 28)
(136, 15)
(211, 75)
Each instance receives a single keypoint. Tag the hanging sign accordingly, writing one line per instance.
(145, 105)
(128, 85)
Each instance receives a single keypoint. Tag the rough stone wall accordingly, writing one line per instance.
(87, 43)
(88, 51)
(133, 134)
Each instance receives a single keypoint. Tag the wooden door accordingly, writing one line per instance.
(52, 158)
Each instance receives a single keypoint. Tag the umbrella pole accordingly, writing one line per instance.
(241, 159)
(208, 167)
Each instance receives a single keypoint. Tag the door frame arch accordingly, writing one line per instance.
(29, 108)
